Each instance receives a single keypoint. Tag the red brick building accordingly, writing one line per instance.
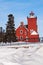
(28, 32)
(22, 32)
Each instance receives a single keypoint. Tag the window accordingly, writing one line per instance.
(17, 37)
(26, 38)
(21, 31)
(21, 37)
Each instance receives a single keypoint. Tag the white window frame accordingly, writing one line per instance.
(21, 37)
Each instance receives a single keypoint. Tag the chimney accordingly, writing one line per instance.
(21, 23)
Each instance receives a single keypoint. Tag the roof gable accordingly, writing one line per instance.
(33, 32)
(20, 27)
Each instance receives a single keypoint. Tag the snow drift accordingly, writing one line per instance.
(22, 56)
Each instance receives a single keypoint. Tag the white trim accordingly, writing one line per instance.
(26, 38)
(33, 32)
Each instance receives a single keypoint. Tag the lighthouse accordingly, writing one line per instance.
(32, 27)
(29, 32)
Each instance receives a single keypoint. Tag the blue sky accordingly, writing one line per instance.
(21, 9)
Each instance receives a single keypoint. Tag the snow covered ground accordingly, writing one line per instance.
(33, 55)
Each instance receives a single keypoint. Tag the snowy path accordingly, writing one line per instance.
(22, 56)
